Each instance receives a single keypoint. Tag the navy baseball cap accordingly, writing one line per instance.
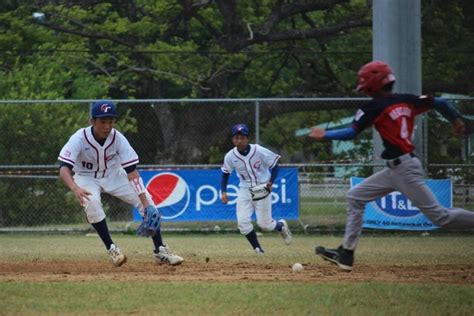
(240, 129)
(103, 108)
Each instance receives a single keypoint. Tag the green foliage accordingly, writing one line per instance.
(162, 49)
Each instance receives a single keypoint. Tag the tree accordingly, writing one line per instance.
(210, 49)
(176, 49)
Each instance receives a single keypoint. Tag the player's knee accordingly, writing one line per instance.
(351, 194)
(94, 211)
(353, 201)
(245, 228)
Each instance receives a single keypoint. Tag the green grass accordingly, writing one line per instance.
(387, 249)
(239, 298)
(234, 299)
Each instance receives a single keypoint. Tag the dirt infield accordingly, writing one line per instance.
(213, 271)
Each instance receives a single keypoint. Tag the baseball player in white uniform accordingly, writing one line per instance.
(99, 159)
(252, 163)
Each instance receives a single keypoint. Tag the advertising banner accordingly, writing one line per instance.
(395, 211)
(194, 195)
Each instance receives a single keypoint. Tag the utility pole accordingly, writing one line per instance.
(397, 41)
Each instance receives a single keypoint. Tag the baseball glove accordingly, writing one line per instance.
(151, 223)
(259, 192)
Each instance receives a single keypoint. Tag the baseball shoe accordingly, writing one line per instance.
(342, 257)
(285, 232)
(259, 251)
(118, 258)
(164, 254)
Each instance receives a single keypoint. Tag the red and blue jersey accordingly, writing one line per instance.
(394, 118)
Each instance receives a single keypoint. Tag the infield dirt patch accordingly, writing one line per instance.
(215, 271)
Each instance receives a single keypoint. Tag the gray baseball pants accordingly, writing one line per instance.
(408, 178)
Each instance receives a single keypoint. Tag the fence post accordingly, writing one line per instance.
(257, 122)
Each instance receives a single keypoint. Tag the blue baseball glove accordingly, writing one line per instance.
(151, 223)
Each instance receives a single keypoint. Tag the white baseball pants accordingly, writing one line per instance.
(246, 207)
(116, 184)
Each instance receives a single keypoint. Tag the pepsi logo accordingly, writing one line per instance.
(170, 194)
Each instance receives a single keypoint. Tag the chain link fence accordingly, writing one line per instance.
(177, 134)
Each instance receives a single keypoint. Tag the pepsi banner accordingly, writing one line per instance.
(194, 195)
(395, 211)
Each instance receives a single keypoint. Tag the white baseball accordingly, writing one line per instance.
(297, 267)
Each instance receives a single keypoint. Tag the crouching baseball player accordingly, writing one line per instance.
(252, 164)
(99, 159)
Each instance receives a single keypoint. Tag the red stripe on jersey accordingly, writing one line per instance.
(395, 125)
(129, 163)
(105, 150)
(250, 164)
(96, 151)
(275, 161)
(66, 160)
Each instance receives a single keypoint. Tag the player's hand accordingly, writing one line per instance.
(269, 186)
(317, 133)
(82, 195)
(224, 198)
(459, 129)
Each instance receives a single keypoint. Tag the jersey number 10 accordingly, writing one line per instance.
(87, 165)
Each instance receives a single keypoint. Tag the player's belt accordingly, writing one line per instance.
(395, 162)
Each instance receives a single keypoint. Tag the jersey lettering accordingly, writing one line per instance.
(91, 158)
(404, 130)
(394, 118)
(395, 125)
(400, 111)
(87, 165)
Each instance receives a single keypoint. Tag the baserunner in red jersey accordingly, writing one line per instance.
(393, 116)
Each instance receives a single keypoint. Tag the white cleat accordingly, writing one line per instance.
(118, 258)
(164, 254)
(285, 232)
(259, 251)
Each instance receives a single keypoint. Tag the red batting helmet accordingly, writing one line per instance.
(373, 76)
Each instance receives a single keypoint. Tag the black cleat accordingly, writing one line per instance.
(342, 257)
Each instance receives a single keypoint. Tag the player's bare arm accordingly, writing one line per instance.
(224, 198)
(317, 133)
(82, 195)
(269, 186)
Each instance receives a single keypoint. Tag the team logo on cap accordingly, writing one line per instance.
(170, 194)
(105, 107)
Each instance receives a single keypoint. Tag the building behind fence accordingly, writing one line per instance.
(174, 134)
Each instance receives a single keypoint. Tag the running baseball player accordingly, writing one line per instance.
(99, 159)
(252, 164)
(393, 116)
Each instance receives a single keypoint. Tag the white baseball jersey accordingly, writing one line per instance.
(100, 168)
(252, 169)
(89, 158)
